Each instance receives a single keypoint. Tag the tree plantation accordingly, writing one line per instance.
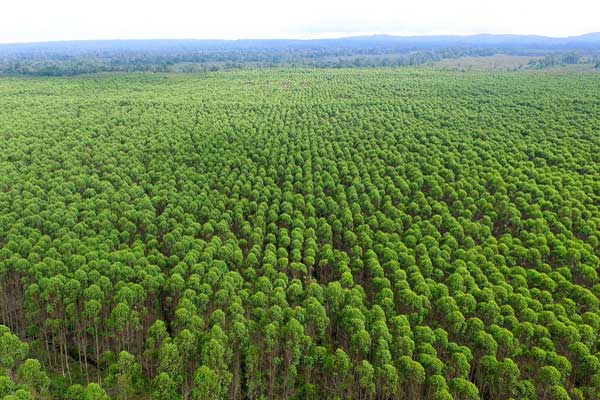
(300, 234)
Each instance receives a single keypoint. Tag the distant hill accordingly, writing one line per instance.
(590, 38)
(515, 42)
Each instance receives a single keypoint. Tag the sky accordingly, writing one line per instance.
(50, 20)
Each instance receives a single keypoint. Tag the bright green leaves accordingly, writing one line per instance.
(12, 350)
(365, 234)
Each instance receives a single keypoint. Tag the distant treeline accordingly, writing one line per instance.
(199, 62)
(550, 60)
(186, 56)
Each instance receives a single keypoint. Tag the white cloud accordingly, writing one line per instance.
(44, 20)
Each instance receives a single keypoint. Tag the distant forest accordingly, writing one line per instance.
(188, 56)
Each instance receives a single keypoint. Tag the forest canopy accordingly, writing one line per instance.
(300, 234)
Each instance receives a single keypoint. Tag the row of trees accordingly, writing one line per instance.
(375, 234)
(79, 60)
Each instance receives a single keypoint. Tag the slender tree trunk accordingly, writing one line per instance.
(62, 365)
(79, 340)
(46, 341)
(67, 356)
(87, 375)
(97, 354)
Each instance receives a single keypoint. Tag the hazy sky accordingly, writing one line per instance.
(45, 20)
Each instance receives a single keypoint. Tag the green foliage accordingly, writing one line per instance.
(300, 234)
(94, 392)
(7, 386)
(30, 373)
(165, 388)
(12, 350)
(74, 392)
(124, 376)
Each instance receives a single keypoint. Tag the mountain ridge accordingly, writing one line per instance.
(592, 36)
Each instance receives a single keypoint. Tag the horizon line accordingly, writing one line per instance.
(334, 36)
